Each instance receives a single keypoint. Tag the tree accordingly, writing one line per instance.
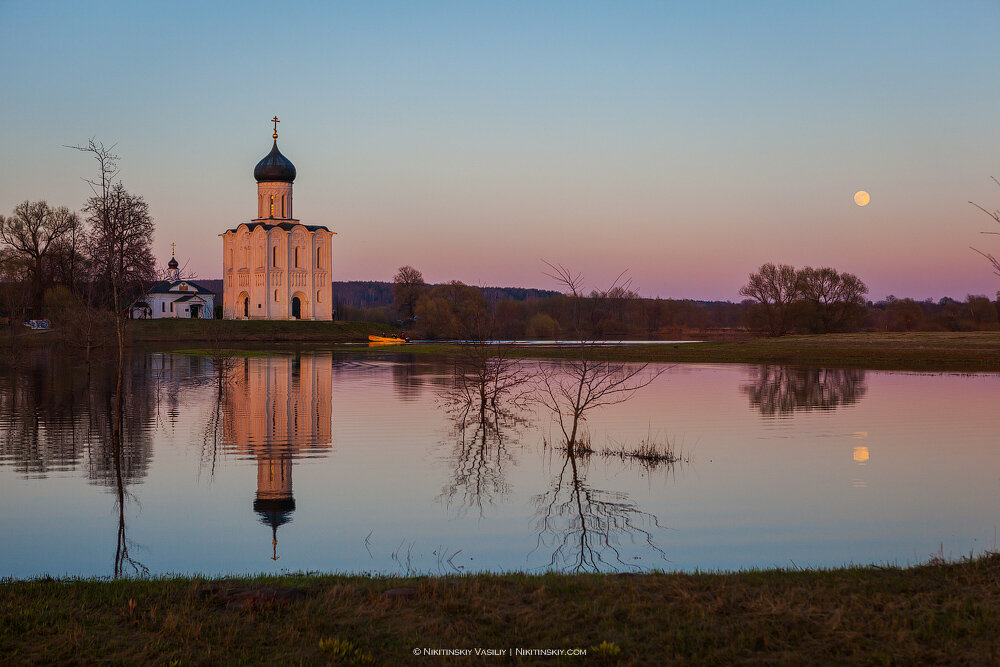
(775, 288)
(14, 293)
(407, 286)
(32, 231)
(454, 310)
(120, 245)
(583, 384)
(835, 301)
(904, 314)
(995, 214)
(983, 311)
(119, 249)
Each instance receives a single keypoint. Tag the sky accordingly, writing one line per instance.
(687, 143)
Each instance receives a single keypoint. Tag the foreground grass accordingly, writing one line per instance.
(937, 613)
(977, 351)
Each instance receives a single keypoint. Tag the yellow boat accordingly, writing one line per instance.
(387, 340)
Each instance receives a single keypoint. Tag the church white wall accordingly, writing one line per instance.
(260, 266)
(165, 306)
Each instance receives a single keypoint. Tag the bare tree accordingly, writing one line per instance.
(995, 214)
(573, 389)
(67, 261)
(32, 231)
(118, 247)
(14, 293)
(836, 299)
(407, 286)
(776, 288)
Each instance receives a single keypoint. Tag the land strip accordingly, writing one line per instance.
(970, 352)
(940, 613)
(243, 332)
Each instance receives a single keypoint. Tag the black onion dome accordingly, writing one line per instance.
(274, 512)
(274, 167)
(172, 264)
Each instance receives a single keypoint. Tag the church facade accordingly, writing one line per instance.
(175, 298)
(274, 267)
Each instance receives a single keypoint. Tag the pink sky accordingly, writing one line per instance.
(688, 144)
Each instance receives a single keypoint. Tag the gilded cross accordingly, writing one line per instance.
(173, 249)
(276, 121)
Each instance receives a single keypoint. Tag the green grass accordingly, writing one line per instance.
(249, 331)
(977, 351)
(936, 613)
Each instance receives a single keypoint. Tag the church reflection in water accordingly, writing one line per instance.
(275, 410)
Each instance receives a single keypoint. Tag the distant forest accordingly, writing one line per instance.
(521, 312)
(361, 294)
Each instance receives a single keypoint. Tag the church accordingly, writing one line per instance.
(274, 267)
(175, 298)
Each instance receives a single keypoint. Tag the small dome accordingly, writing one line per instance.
(172, 264)
(274, 167)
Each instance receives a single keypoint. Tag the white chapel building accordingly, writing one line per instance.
(175, 298)
(274, 267)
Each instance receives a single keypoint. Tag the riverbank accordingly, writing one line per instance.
(225, 332)
(935, 613)
(971, 352)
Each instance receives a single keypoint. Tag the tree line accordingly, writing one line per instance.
(780, 300)
(53, 259)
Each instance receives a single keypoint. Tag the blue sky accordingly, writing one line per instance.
(689, 142)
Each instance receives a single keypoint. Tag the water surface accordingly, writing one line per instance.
(339, 462)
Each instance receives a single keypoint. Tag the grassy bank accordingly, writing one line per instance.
(963, 352)
(977, 351)
(220, 332)
(938, 613)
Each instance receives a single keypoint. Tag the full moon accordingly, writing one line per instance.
(861, 198)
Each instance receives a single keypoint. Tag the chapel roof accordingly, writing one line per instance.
(287, 226)
(165, 286)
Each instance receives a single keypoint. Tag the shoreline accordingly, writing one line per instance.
(935, 612)
(975, 352)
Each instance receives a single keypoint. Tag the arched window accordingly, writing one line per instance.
(275, 295)
(318, 299)
(274, 259)
(282, 206)
(296, 257)
(319, 255)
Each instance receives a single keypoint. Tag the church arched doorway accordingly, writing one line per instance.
(243, 305)
(296, 308)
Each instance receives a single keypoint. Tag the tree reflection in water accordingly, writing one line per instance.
(478, 459)
(487, 397)
(125, 564)
(586, 528)
(782, 390)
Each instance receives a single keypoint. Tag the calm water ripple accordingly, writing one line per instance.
(348, 462)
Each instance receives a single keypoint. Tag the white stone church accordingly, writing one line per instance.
(174, 298)
(274, 267)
